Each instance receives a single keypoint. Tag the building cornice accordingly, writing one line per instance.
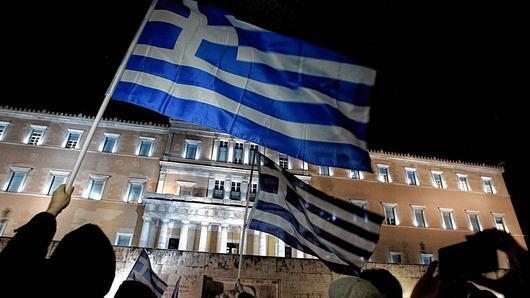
(85, 120)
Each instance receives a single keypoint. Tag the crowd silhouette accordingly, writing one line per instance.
(83, 265)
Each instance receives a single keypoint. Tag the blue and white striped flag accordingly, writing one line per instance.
(143, 273)
(339, 233)
(199, 64)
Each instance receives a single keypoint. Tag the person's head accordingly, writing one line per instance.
(352, 287)
(384, 281)
(83, 261)
(132, 288)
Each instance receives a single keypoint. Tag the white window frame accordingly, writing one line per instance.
(70, 132)
(242, 161)
(219, 150)
(414, 220)
(396, 216)
(12, 171)
(321, 171)
(5, 124)
(142, 182)
(490, 180)
(444, 185)
(451, 214)
(192, 142)
(380, 177)
(470, 225)
(422, 254)
(31, 130)
(413, 170)
(55, 173)
(495, 214)
(395, 253)
(468, 187)
(280, 155)
(123, 234)
(361, 175)
(151, 140)
(90, 182)
(110, 135)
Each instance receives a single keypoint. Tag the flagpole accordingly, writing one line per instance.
(108, 94)
(245, 222)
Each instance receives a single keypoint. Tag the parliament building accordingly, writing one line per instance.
(184, 187)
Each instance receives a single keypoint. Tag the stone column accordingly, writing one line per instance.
(280, 248)
(244, 189)
(144, 235)
(246, 153)
(262, 244)
(230, 151)
(228, 187)
(215, 149)
(160, 185)
(203, 241)
(211, 186)
(255, 243)
(183, 240)
(224, 238)
(299, 254)
(162, 237)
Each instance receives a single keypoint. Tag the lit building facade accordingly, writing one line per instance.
(180, 186)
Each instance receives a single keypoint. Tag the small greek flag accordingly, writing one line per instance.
(143, 273)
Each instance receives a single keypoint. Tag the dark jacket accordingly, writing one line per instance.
(82, 265)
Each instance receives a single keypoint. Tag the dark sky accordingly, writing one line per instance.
(448, 84)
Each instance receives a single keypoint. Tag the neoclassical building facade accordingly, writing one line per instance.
(180, 186)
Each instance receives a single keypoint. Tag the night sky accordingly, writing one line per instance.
(448, 83)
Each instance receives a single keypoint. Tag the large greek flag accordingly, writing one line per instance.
(143, 273)
(339, 233)
(199, 64)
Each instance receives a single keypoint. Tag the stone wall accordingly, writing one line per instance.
(271, 277)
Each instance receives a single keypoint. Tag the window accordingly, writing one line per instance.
(447, 219)
(412, 179)
(359, 203)
(173, 243)
(95, 188)
(324, 170)
(146, 146)
(109, 145)
(2, 228)
(253, 148)
(232, 248)
(192, 149)
(437, 179)
(383, 174)
(500, 224)
(58, 178)
(356, 174)
(419, 216)
(283, 161)
(16, 180)
(235, 191)
(72, 141)
(123, 239)
(238, 153)
(219, 189)
(487, 185)
(134, 194)
(394, 257)
(253, 192)
(3, 128)
(35, 135)
(222, 154)
(426, 259)
(474, 222)
(462, 182)
(390, 214)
